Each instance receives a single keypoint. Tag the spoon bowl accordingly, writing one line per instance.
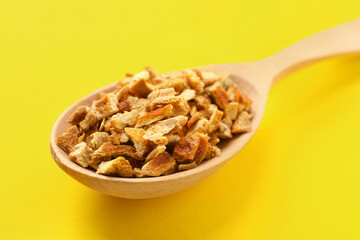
(255, 79)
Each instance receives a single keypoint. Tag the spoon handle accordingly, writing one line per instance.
(341, 39)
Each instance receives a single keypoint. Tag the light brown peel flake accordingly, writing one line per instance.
(141, 105)
(188, 94)
(139, 84)
(242, 124)
(176, 83)
(81, 154)
(98, 138)
(202, 149)
(156, 131)
(106, 106)
(88, 122)
(121, 120)
(200, 126)
(162, 101)
(227, 121)
(68, 139)
(233, 94)
(108, 150)
(219, 95)
(231, 110)
(118, 138)
(161, 93)
(193, 119)
(194, 81)
(154, 116)
(187, 166)
(214, 121)
(181, 108)
(163, 162)
(202, 101)
(245, 99)
(78, 115)
(122, 93)
(141, 145)
(224, 131)
(208, 77)
(176, 123)
(124, 106)
(119, 166)
(186, 148)
(155, 152)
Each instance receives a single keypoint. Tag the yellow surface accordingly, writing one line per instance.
(298, 178)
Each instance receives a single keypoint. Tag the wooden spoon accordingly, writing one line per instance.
(254, 78)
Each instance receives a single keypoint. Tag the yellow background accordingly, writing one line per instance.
(298, 178)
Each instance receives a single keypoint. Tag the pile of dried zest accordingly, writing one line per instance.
(157, 124)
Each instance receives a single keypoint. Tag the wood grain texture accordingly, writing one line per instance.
(253, 78)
